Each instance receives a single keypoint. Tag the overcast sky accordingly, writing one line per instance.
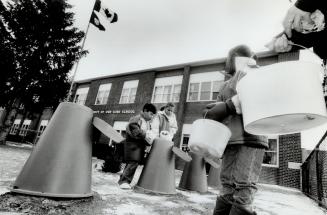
(154, 33)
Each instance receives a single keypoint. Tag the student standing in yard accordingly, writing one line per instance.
(167, 121)
(243, 156)
(140, 133)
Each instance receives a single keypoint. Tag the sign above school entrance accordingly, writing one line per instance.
(116, 111)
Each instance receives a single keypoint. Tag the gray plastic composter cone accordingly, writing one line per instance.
(194, 177)
(158, 174)
(214, 177)
(60, 165)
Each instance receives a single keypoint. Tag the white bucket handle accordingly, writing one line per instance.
(307, 49)
(205, 114)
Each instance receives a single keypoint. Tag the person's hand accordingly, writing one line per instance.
(217, 112)
(207, 108)
(293, 20)
(281, 44)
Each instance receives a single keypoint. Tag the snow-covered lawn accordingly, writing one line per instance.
(270, 199)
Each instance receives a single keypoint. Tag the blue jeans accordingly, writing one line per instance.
(128, 173)
(240, 171)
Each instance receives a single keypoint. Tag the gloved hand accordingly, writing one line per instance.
(215, 111)
(282, 44)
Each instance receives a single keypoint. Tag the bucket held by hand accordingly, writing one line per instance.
(209, 138)
(282, 98)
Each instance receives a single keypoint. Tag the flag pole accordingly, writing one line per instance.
(75, 71)
(97, 7)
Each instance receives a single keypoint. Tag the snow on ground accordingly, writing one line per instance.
(270, 199)
(280, 200)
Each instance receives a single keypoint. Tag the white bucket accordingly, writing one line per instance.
(208, 138)
(282, 98)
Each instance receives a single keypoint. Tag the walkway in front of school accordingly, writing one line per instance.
(110, 199)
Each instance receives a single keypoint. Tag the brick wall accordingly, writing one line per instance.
(143, 95)
(289, 151)
(187, 112)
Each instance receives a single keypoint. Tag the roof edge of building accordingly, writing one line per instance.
(174, 66)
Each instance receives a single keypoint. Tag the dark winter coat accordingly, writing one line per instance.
(234, 121)
(134, 145)
(316, 40)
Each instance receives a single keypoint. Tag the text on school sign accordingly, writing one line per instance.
(114, 111)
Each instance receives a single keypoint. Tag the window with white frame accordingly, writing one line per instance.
(14, 127)
(24, 128)
(42, 127)
(205, 86)
(185, 137)
(81, 94)
(184, 145)
(167, 89)
(129, 92)
(120, 127)
(271, 154)
(103, 94)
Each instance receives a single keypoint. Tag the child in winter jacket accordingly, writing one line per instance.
(167, 121)
(140, 133)
(243, 156)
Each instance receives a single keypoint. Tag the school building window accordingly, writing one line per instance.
(184, 145)
(103, 94)
(205, 86)
(167, 89)
(41, 128)
(271, 154)
(24, 128)
(81, 94)
(14, 127)
(128, 93)
(186, 130)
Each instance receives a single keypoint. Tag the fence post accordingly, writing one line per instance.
(304, 182)
(319, 179)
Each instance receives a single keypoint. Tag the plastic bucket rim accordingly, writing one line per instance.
(276, 116)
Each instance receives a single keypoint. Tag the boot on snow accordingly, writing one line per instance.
(239, 210)
(222, 207)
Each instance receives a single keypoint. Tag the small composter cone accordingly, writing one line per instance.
(214, 177)
(158, 174)
(194, 177)
(60, 165)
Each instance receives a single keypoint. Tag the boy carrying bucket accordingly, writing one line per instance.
(243, 156)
